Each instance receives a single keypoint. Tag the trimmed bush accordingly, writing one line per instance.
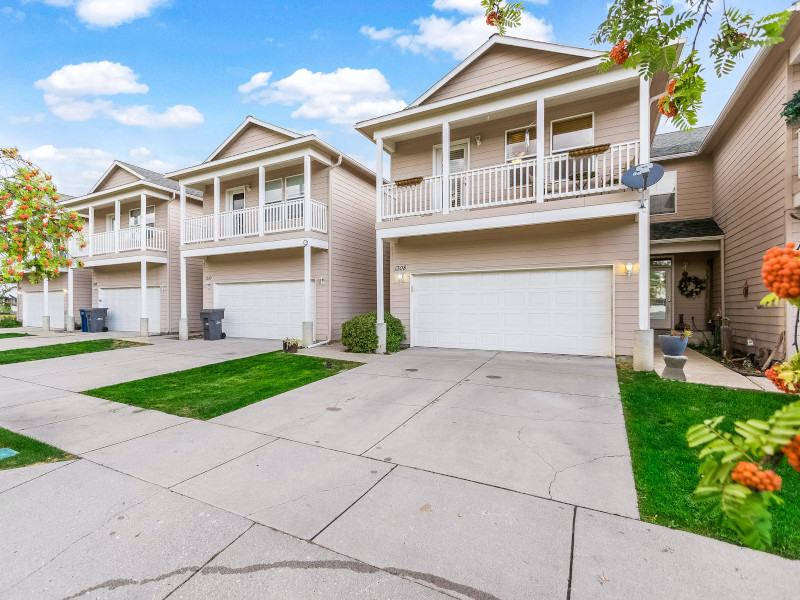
(7, 322)
(358, 334)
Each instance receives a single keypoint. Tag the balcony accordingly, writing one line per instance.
(279, 217)
(562, 175)
(128, 239)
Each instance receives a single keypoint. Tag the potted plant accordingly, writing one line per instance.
(290, 345)
(674, 344)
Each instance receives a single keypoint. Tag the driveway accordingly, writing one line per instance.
(426, 474)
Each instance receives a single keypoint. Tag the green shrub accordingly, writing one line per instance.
(7, 322)
(358, 334)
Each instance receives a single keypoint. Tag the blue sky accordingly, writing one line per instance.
(161, 83)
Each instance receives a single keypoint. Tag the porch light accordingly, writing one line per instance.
(65, 291)
(628, 269)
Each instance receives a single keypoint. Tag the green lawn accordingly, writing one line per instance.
(40, 353)
(12, 335)
(657, 415)
(213, 390)
(31, 452)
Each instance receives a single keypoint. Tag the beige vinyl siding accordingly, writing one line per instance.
(251, 138)
(81, 288)
(116, 178)
(101, 214)
(694, 189)
(499, 65)
(353, 241)
(580, 243)
(275, 265)
(615, 120)
(129, 275)
(194, 269)
(750, 195)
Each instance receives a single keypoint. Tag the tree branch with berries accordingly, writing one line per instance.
(503, 15)
(35, 230)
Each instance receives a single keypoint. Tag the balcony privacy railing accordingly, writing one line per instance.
(130, 238)
(278, 217)
(513, 183)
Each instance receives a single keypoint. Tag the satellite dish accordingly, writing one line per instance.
(642, 176)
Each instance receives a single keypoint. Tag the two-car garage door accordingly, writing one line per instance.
(560, 310)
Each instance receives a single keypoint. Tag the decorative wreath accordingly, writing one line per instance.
(691, 286)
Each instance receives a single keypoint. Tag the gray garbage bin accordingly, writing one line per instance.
(96, 320)
(212, 323)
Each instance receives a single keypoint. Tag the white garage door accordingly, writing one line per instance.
(262, 309)
(560, 311)
(32, 306)
(125, 308)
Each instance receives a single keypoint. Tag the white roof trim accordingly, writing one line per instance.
(506, 41)
(251, 121)
(116, 163)
(124, 188)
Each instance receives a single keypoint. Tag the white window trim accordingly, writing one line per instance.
(505, 142)
(147, 208)
(465, 141)
(229, 196)
(283, 196)
(674, 212)
(286, 186)
(563, 150)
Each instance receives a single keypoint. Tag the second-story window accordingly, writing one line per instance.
(135, 218)
(520, 144)
(273, 191)
(295, 187)
(572, 133)
(663, 195)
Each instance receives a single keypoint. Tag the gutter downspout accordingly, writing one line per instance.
(330, 245)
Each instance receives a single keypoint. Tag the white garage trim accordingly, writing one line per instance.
(32, 309)
(124, 306)
(602, 349)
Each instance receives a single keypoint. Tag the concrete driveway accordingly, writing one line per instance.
(427, 474)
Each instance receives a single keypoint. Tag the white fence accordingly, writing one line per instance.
(130, 238)
(592, 174)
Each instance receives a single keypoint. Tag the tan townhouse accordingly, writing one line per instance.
(525, 238)
(286, 234)
(131, 251)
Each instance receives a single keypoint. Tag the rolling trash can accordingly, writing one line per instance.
(212, 323)
(84, 324)
(96, 319)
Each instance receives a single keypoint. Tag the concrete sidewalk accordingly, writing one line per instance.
(701, 369)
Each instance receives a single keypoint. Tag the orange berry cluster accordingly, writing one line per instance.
(774, 376)
(671, 86)
(491, 18)
(619, 53)
(781, 271)
(748, 475)
(667, 107)
(792, 452)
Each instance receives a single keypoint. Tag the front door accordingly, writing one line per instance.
(661, 294)
(458, 164)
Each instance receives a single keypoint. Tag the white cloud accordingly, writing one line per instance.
(25, 119)
(102, 78)
(343, 96)
(12, 13)
(108, 13)
(74, 170)
(144, 158)
(386, 33)
(67, 88)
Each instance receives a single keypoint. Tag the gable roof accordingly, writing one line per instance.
(147, 176)
(251, 120)
(495, 40)
(679, 143)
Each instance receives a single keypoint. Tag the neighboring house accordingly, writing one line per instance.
(65, 295)
(737, 195)
(132, 249)
(525, 238)
(286, 234)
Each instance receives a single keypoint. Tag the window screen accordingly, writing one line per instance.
(663, 194)
(576, 132)
(520, 144)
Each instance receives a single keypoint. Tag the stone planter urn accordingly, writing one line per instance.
(290, 347)
(672, 345)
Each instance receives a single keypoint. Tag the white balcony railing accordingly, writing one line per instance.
(513, 183)
(279, 217)
(130, 239)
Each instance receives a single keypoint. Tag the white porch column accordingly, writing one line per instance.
(46, 304)
(116, 225)
(91, 230)
(70, 323)
(307, 192)
(379, 180)
(540, 133)
(380, 325)
(262, 197)
(446, 167)
(183, 214)
(183, 324)
(308, 324)
(144, 325)
(216, 209)
(643, 336)
(143, 220)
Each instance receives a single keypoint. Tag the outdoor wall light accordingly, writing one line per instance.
(629, 269)
(65, 291)
(477, 140)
